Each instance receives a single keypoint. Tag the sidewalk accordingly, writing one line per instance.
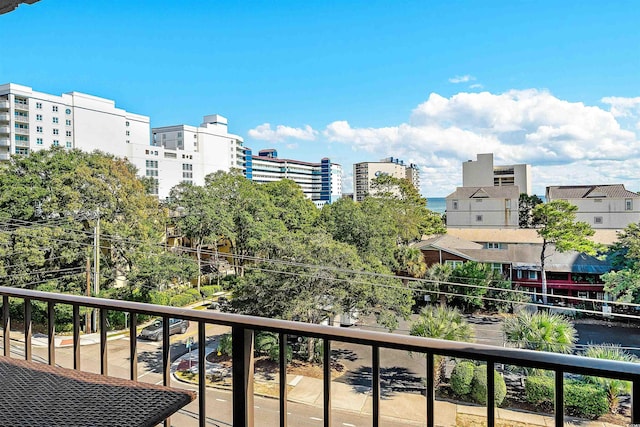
(409, 407)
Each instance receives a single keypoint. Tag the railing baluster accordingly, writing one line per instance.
(375, 384)
(635, 401)
(282, 343)
(28, 331)
(559, 390)
(202, 374)
(430, 392)
(491, 390)
(103, 342)
(76, 337)
(133, 345)
(326, 377)
(242, 357)
(6, 330)
(166, 359)
(51, 326)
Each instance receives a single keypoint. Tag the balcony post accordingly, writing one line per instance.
(559, 392)
(51, 332)
(133, 345)
(6, 330)
(635, 401)
(202, 374)
(76, 337)
(491, 389)
(282, 347)
(242, 355)
(28, 329)
(326, 377)
(430, 391)
(375, 384)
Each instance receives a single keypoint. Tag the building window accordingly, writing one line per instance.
(533, 275)
(597, 220)
(152, 164)
(152, 172)
(179, 134)
(67, 122)
(39, 141)
(39, 117)
(126, 124)
(56, 131)
(628, 204)
(127, 141)
(507, 203)
(68, 133)
(187, 167)
(68, 111)
(56, 143)
(22, 150)
(55, 120)
(453, 263)
(69, 145)
(519, 274)
(455, 205)
(187, 174)
(493, 245)
(39, 129)
(478, 218)
(496, 266)
(127, 133)
(597, 200)
(478, 200)
(55, 108)
(39, 105)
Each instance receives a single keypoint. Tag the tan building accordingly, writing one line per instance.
(483, 173)
(601, 206)
(364, 172)
(483, 207)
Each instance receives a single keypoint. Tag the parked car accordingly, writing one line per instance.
(154, 331)
(222, 304)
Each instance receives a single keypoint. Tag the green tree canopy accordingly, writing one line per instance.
(560, 230)
(526, 205)
(541, 331)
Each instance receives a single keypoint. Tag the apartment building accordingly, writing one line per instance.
(320, 182)
(31, 121)
(483, 173)
(183, 153)
(365, 172)
(601, 206)
(483, 207)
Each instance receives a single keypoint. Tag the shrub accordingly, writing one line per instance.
(210, 290)
(585, 400)
(461, 378)
(479, 386)
(539, 389)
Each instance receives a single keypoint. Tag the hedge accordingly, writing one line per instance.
(580, 399)
(479, 386)
(461, 378)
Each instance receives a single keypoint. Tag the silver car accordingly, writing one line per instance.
(154, 331)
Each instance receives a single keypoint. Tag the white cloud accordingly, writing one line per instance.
(461, 79)
(565, 142)
(282, 133)
(476, 86)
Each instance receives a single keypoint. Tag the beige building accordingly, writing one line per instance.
(364, 172)
(483, 173)
(483, 207)
(601, 206)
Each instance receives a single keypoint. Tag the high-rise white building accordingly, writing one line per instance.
(31, 121)
(320, 182)
(483, 173)
(364, 172)
(183, 153)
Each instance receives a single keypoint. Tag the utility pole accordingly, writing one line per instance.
(96, 267)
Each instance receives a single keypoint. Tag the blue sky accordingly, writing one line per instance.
(553, 84)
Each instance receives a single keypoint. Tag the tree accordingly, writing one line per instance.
(526, 205)
(51, 200)
(439, 274)
(201, 217)
(559, 230)
(441, 323)
(474, 278)
(624, 284)
(613, 387)
(541, 331)
(411, 262)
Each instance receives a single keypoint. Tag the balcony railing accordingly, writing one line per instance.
(243, 328)
(5, 142)
(4, 104)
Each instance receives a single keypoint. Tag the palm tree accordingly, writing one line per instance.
(541, 331)
(440, 273)
(442, 323)
(614, 387)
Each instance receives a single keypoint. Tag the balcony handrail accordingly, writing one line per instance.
(530, 358)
